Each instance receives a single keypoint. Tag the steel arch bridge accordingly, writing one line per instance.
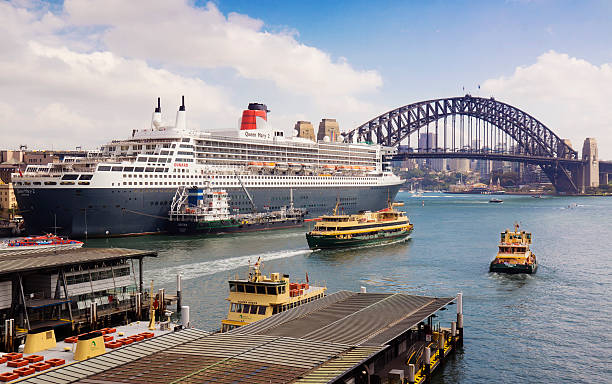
(476, 128)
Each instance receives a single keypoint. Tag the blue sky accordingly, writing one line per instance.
(437, 47)
(74, 61)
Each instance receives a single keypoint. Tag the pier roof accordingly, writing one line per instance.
(13, 263)
(318, 342)
(351, 318)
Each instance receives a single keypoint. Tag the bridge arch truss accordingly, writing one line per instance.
(471, 125)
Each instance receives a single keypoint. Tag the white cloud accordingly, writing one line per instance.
(90, 71)
(569, 95)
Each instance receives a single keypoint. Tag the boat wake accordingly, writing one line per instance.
(192, 271)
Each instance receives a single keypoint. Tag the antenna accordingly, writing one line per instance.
(158, 109)
(182, 107)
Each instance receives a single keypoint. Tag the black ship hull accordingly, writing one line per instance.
(229, 226)
(513, 268)
(102, 212)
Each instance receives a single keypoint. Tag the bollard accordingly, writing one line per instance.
(178, 292)
(162, 301)
(138, 306)
(441, 346)
(185, 316)
(427, 365)
(9, 333)
(460, 318)
(411, 373)
(93, 315)
(453, 332)
(363, 290)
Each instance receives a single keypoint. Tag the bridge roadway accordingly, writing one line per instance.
(483, 155)
(484, 128)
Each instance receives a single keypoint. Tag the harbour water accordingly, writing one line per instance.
(553, 326)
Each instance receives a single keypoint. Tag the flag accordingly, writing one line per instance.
(20, 174)
(307, 278)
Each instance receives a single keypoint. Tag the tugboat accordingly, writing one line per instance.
(364, 228)
(259, 296)
(514, 255)
(33, 244)
(207, 211)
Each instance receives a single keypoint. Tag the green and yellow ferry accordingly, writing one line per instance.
(364, 228)
(514, 255)
(258, 296)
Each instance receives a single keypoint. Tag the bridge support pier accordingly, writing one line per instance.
(590, 169)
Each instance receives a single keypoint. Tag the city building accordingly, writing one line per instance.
(7, 199)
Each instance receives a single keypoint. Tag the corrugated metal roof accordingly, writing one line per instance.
(318, 342)
(114, 359)
(52, 259)
(357, 319)
(337, 367)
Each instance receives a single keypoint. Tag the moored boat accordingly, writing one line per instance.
(33, 244)
(364, 228)
(514, 255)
(259, 296)
(207, 211)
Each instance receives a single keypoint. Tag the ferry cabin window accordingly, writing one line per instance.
(271, 290)
(70, 177)
(250, 288)
(261, 310)
(128, 169)
(232, 287)
(139, 169)
(104, 168)
(261, 289)
(254, 309)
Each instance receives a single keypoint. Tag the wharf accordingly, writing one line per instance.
(346, 337)
(72, 290)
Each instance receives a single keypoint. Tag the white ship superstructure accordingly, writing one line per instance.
(131, 182)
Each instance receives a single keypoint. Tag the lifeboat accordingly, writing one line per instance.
(295, 166)
(255, 164)
(283, 167)
(369, 168)
(328, 166)
(269, 165)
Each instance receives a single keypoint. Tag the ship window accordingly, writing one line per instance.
(254, 309)
(104, 168)
(139, 169)
(86, 177)
(149, 169)
(152, 159)
(261, 310)
(261, 289)
(128, 169)
(275, 309)
(159, 169)
(250, 288)
(50, 183)
(232, 287)
(117, 169)
(70, 177)
(246, 308)
(271, 290)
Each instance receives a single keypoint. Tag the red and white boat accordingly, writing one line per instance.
(32, 244)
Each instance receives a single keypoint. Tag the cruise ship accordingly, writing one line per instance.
(127, 186)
